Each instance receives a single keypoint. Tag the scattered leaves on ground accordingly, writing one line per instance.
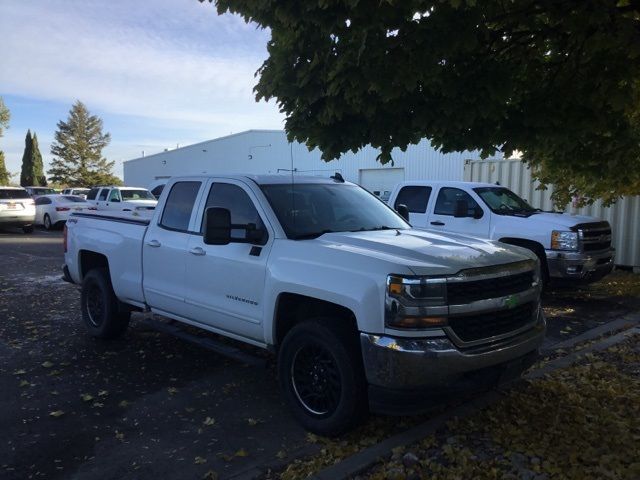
(581, 422)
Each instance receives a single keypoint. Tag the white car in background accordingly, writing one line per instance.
(53, 210)
(16, 208)
(80, 192)
(123, 199)
(35, 191)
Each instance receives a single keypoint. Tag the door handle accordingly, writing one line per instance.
(439, 223)
(197, 251)
(154, 243)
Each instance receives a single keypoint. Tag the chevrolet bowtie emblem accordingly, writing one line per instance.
(511, 301)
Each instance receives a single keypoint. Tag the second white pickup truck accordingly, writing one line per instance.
(571, 248)
(361, 309)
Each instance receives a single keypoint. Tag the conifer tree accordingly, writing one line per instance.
(26, 174)
(78, 150)
(4, 123)
(5, 178)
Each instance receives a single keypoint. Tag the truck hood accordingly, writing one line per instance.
(558, 221)
(426, 252)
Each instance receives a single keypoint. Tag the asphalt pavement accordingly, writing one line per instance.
(144, 406)
(148, 405)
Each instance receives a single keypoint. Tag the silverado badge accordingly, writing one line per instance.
(511, 301)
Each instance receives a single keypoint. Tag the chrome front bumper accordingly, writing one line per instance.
(424, 363)
(589, 266)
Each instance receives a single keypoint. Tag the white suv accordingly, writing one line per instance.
(17, 208)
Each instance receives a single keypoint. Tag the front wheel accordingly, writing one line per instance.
(102, 313)
(47, 222)
(321, 375)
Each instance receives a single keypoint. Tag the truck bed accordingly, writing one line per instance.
(117, 236)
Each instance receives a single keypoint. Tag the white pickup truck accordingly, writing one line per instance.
(571, 248)
(362, 310)
(124, 199)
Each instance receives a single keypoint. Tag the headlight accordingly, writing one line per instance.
(415, 302)
(564, 240)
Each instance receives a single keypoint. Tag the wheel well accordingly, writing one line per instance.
(535, 247)
(292, 308)
(530, 244)
(90, 260)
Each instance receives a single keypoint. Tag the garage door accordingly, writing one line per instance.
(381, 181)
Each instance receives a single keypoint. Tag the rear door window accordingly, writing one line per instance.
(43, 201)
(177, 210)
(93, 193)
(103, 194)
(415, 197)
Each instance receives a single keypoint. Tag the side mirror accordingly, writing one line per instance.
(115, 200)
(253, 234)
(217, 226)
(462, 209)
(403, 211)
(477, 213)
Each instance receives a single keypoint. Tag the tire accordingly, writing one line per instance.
(322, 377)
(46, 221)
(104, 316)
(27, 229)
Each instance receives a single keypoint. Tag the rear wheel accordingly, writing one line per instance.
(321, 375)
(47, 222)
(103, 315)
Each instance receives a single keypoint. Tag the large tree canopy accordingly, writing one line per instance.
(78, 148)
(556, 80)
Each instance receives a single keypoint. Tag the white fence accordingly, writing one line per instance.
(624, 215)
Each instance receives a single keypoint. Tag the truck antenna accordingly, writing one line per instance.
(337, 177)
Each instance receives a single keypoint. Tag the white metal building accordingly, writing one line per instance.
(268, 151)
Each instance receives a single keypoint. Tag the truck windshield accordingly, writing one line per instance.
(309, 210)
(503, 201)
(136, 195)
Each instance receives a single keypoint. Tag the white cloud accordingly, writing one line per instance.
(173, 61)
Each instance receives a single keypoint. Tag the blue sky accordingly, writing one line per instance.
(158, 73)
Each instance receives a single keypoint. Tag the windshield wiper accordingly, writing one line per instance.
(307, 236)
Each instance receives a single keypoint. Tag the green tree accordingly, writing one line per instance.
(5, 116)
(32, 169)
(78, 150)
(556, 80)
(5, 177)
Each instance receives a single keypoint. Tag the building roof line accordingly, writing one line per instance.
(245, 132)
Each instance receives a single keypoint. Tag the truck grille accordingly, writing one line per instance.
(469, 328)
(467, 292)
(594, 236)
